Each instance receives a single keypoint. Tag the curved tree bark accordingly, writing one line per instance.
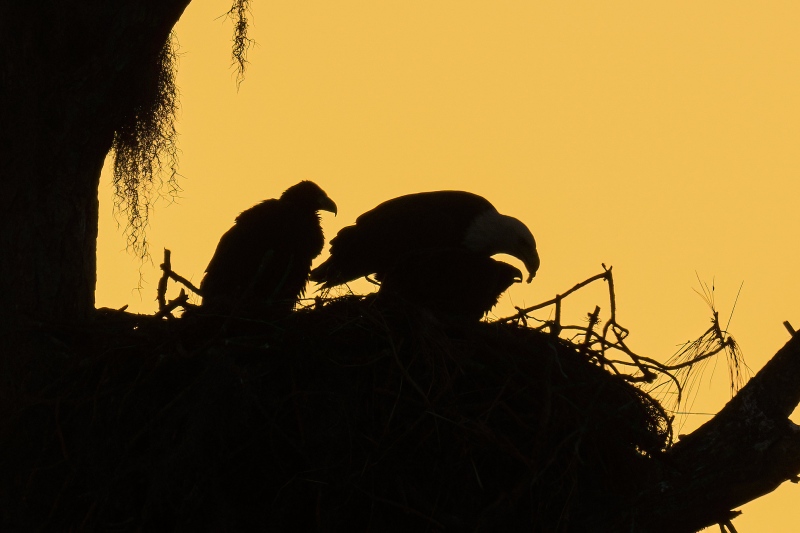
(746, 451)
(69, 72)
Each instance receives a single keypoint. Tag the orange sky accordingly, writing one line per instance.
(660, 139)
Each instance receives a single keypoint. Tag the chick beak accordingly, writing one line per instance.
(326, 204)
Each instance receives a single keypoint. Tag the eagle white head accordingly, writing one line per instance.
(492, 233)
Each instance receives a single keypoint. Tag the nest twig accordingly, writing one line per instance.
(165, 308)
(599, 346)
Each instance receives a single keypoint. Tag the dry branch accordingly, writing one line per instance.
(165, 308)
(747, 450)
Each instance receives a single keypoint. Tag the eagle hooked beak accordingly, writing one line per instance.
(531, 264)
(326, 204)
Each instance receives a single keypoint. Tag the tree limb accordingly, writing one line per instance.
(746, 451)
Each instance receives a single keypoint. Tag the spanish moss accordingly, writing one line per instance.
(145, 150)
(241, 43)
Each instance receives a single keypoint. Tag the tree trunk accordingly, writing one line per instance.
(71, 70)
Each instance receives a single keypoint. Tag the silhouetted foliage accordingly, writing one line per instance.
(145, 147)
(145, 141)
(241, 43)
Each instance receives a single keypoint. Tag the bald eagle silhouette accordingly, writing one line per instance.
(414, 223)
(451, 283)
(261, 265)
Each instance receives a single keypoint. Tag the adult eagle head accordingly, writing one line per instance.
(261, 265)
(424, 221)
(492, 233)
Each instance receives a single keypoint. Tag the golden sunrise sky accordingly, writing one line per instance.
(660, 138)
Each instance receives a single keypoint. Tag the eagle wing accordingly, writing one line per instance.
(427, 220)
(265, 257)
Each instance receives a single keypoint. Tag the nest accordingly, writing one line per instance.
(343, 417)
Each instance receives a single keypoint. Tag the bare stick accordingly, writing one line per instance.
(555, 300)
(161, 294)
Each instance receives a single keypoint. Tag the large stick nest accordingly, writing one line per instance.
(343, 417)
